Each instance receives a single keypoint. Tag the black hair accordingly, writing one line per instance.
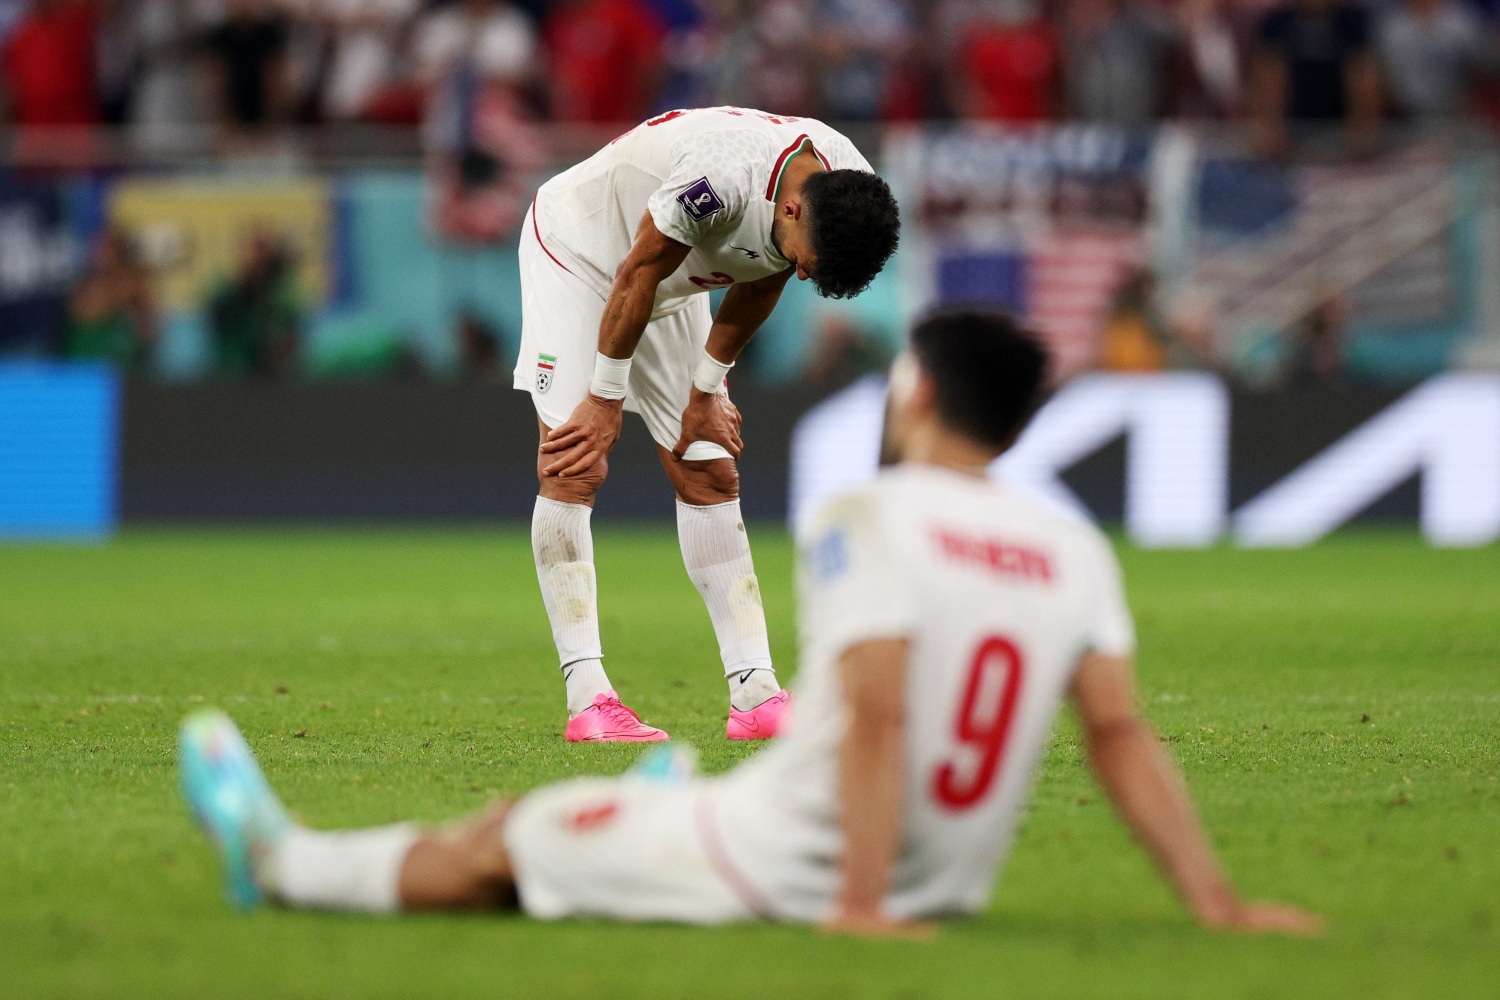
(854, 226)
(988, 373)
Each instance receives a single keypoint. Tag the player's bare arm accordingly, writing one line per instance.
(1150, 795)
(594, 426)
(710, 416)
(872, 786)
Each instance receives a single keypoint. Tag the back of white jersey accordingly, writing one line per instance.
(708, 176)
(998, 598)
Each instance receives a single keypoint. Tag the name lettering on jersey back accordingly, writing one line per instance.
(1000, 558)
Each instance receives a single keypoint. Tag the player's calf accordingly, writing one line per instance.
(716, 554)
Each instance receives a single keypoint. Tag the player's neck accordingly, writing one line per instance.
(801, 167)
(935, 446)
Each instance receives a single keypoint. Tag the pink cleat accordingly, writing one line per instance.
(760, 723)
(608, 721)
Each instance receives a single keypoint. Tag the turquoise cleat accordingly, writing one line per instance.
(229, 795)
(667, 764)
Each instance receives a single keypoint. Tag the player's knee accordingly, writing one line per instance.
(704, 484)
(580, 488)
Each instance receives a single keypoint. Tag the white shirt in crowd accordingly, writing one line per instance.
(501, 43)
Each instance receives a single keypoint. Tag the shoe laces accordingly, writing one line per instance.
(618, 712)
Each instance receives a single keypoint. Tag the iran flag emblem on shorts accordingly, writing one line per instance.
(544, 365)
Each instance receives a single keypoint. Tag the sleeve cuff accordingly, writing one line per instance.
(670, 227)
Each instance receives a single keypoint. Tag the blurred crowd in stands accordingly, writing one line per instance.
(249, 64)
(473, 75)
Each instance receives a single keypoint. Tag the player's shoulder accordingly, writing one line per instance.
(857, 509)
(713, 128)
(916, 494)
(1049, 520)
(836, 147)
(759, 137)
(730, 153)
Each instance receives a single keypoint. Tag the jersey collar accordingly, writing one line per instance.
(778, 172)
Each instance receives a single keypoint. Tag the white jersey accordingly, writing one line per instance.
(999, 598)
(709, 178)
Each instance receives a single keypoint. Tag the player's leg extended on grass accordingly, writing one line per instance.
(716, 553)
(376, 870)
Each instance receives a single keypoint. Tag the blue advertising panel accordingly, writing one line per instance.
(59, 450)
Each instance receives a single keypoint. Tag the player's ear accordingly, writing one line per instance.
(792, 209)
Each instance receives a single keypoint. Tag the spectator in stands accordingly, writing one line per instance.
(687, 54)
(1115, 56)
(1132, 338)
(764, 56)
(857, 43)
(605, 60)
(116, 58)
(49, 65)
(482, 40)
(167, 98)
(1317, 345)
(247, 57)
(360, 80)
(256, 317)
(1432, 51)
(1207, 67)
(1315, 65)
(1008, 63)
(111, 312)
(475, 59)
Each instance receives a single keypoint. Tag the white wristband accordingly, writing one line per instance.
(710, 374)
(611, 375)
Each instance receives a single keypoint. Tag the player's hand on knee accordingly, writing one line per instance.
(585, 439)
(710, 416)
(1265, 918)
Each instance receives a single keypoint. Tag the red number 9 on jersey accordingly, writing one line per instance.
(983, 725)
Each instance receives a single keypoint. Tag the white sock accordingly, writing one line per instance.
(750, 689)
(564, 551)
(716, 552)
(358, 870)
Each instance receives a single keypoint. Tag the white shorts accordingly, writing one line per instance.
(624, 849)
(560, 317)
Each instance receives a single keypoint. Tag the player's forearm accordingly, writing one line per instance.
(1148, 791)
(871, 779)
(744, 309)
(626, 313)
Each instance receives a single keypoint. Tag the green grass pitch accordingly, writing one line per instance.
(1337, 711)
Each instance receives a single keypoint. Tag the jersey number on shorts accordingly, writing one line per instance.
(991, 694)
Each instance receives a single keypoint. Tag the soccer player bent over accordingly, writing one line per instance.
(617, 255)
(942, 621)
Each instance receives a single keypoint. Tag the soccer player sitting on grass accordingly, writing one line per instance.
(942, 621)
